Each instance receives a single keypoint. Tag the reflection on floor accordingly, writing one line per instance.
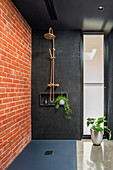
(90, 157)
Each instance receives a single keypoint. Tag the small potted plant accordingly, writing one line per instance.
(62, 100)
(97, 129)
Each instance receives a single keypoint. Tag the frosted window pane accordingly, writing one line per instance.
(93, 58)
(93, 103)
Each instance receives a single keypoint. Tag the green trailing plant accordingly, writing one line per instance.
(97, 125)
(66, 105)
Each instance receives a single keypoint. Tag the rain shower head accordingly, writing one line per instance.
(50, 35)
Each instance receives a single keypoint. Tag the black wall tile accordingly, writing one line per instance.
(47, 122)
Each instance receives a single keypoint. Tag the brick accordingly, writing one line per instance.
(2, 19)
(10, 56)
(11, 85)
(8, 70)
(3, 95)
(15, 85)
(11, 47)
(3, 84)
(8, 154)
(2, 90)
(7, 120)
(2, 63)
(7, 110)
(2, 52)
(5, 59)
(1, 24)
(1, 68)
(7, 80)
(2, 117)
(10, 75)
(7, 100)
(7, 39)
(3, 8)
(4, 42)
(10, 104)
(3, 74)
(11, 94)
(2, 106)
(1, 101)
(16, 81)
(3, 127)
(7, 50)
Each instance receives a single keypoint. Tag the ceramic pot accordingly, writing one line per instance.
(96, 136)
(61, 102)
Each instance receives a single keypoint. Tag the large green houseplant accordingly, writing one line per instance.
(97, 129)
(65, 102)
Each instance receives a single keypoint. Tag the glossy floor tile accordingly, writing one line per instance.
(90, 157)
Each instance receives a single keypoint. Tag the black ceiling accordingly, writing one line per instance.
(67, 14)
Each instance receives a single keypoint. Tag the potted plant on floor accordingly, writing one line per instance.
(64, 101)
(97, 129)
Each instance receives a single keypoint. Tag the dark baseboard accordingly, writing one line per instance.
(86, 136)
(89, 137)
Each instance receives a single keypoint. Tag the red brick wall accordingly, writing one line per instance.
(15, 83)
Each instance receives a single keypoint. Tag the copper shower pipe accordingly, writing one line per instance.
(52, 84)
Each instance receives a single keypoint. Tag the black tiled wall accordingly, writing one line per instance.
(47, 122)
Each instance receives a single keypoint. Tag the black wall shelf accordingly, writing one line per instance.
(44, 95)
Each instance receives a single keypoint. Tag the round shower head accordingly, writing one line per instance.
(50, 35)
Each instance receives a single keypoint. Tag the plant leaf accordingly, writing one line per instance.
(57, 106)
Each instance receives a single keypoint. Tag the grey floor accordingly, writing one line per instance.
(62, 156)
(90, 157)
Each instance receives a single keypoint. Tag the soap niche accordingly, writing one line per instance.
(45, 98)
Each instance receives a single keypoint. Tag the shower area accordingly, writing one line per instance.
(55, 55)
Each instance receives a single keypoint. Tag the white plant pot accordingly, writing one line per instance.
(96, 136)
(61, 102)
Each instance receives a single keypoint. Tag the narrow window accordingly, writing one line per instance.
(93, 78)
